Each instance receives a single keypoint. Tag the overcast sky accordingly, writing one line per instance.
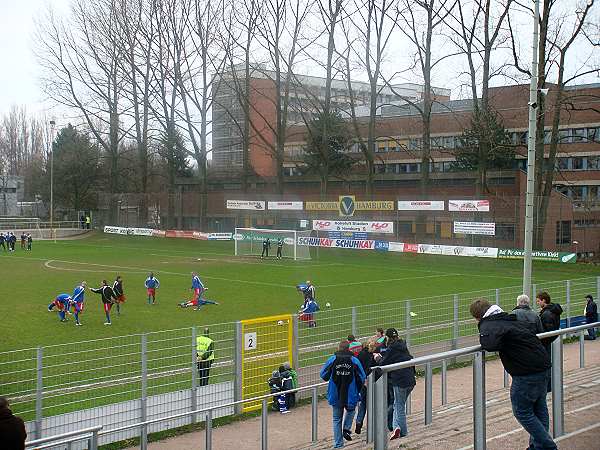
(19, 83)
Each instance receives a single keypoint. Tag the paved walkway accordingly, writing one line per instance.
(452, 423)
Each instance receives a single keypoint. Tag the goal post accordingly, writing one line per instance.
(248, 241)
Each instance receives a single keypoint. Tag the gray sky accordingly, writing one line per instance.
(19, 83)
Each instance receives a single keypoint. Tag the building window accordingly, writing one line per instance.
(579, 135)
(577, 163)
(564, 136)
(563, 232)
(593, 134)
(593, 163)
(562, 163)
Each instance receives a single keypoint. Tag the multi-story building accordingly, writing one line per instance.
(306, 94)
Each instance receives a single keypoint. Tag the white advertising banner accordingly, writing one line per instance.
(458, 250)
(469, 205)
(396, 247)
(220, 236)
(115, 230)
(420, 205)
(353, 226)
(255, 205)
(483, 228)
(142, 231)
(295, 206)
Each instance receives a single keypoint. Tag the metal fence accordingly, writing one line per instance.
(122, 380)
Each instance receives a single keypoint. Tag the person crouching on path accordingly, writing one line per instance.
(346, 376)
(108, 298)
(526, 360)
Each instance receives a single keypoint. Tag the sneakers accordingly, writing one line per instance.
(79, 324)
(347, 435)
(358, 428)
(107, 323)
(395, 434)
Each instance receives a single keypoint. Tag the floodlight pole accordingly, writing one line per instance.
(52, 234)
(531, 144)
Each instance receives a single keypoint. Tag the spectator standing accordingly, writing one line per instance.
(88, 222)
(345, 375)
(205, 355)
(526, 360)
(525, 314)
(591, 316)
(82, 221)
(355, 346)
(550, 318)
(12, 428)
(402, 381)
(366, 361)
(287, 372)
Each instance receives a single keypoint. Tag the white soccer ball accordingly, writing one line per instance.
(280, 322)
(328, 305)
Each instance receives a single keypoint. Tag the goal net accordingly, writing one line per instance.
(248, 241)
(18, 225)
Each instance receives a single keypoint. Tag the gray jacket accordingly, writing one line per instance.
(526, 314)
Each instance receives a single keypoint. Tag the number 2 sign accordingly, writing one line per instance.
(250, 341)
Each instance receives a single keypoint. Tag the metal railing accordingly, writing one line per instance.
(377, 390)
(90, 434)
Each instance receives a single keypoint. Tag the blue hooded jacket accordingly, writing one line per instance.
(346, 378)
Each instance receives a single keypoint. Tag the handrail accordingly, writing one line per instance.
(69, 434)
(474, 349)
(211, 408)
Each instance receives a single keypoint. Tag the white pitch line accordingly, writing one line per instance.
(144, 270)
(575, 433)
(231, 259)
(389, 279)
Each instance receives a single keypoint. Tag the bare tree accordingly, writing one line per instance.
(82, 59)
(560, 29)
(374, 22)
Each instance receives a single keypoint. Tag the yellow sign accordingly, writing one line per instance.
(347, 205)
(321, 206)
(375, 205)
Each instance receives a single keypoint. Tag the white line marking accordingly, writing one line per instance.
(575, 433)
(390, 279)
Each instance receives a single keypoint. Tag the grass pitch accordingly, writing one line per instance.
(245, 287)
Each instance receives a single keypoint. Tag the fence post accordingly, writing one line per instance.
(428, 394)
(380, 436)
(94, 443)
(455, 324)
(208, 431)
(295, 342)
(497, 296)
(597, 288)
(444, 382)
(581, 349)
(354, 322)
(558, 418)
(479, 401)
(264, 438)
(407, 313)
(39, 393)
(194, 375)
(144, 397)
(370, 406)
(237, 390)
(315, 416)
(533, 296)
(568, 304)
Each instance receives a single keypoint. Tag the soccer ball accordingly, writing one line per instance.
(328, 305)
(280, 322)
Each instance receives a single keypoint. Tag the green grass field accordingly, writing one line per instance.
(245, 287)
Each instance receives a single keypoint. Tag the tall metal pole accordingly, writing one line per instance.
(52, 235)
(531, 141)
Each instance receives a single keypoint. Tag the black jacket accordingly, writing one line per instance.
(550, 317)
(529, 316)
(591, 312)
(520, 350)
(366, 360)
(12, 431)
(117, 288)
(398, 352)
(108, 296)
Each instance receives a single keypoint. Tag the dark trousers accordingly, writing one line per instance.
(528, 398)
(265, 252)
(278, 252)
(203, 372)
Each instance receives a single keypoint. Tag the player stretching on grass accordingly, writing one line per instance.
(77, 300)
(197, 300)
(152, 284)
(62, 303)
(117, 288)
(108, 298)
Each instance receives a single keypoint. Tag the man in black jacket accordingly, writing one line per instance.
(12, 428)
(549, 315)
(525, 314)
(366, 361)
(525, 359)
(591, 316)
(108, 298)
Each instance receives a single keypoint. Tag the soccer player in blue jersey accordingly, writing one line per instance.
(62, 302)
(152, 284)
(77, 300)
(199, 289)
